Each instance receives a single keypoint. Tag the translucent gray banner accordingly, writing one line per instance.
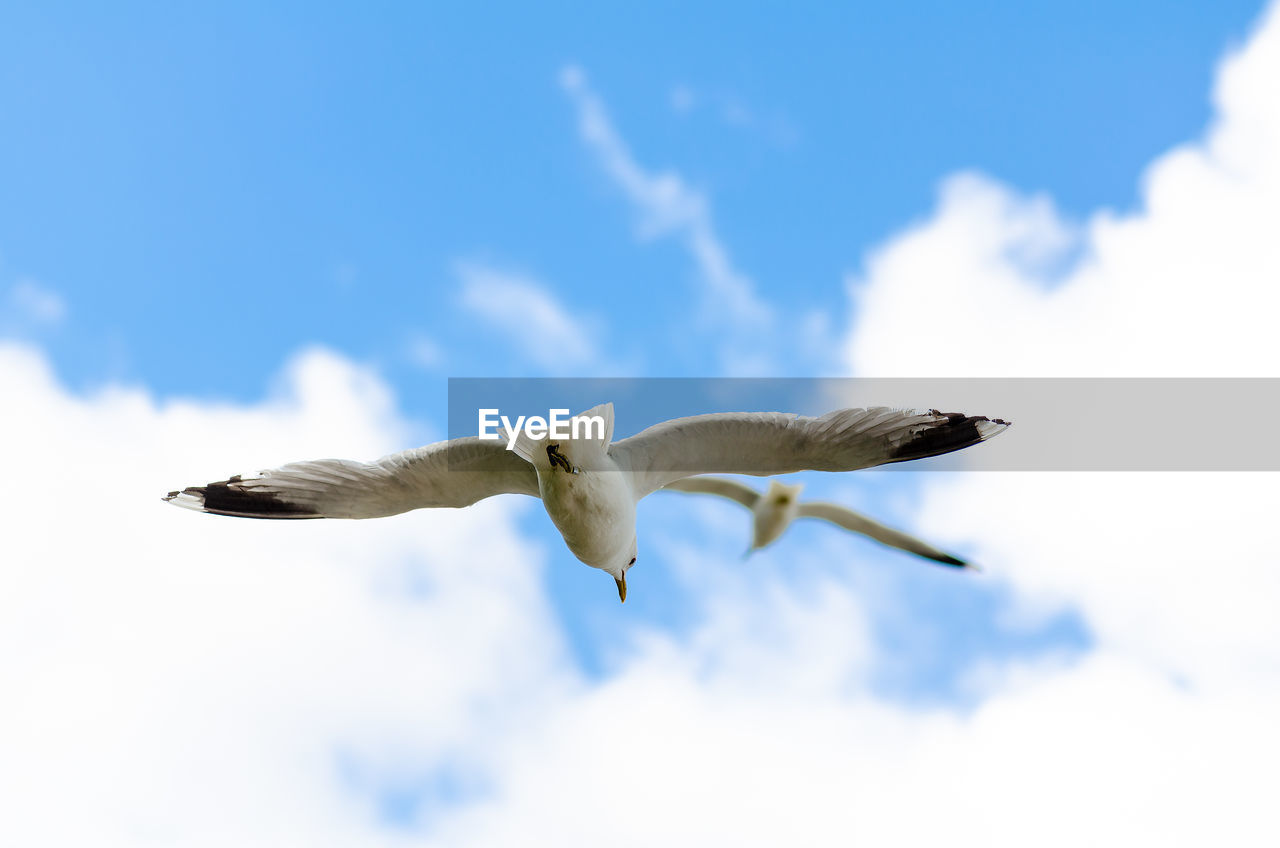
(1058, 424)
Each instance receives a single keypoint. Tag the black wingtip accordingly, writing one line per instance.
(954, 432)
(947, 559)
(232, 497)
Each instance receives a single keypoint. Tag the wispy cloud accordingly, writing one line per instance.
(37, 304)
(667, 206)
(424, 352)
(532, 319)
(733, 111)
(683, 99)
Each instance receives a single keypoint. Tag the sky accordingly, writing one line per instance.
(238, 237)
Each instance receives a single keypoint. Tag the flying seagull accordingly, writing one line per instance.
(774, 510)
(590, 486)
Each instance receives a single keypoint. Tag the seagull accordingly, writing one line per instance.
(590, 485)
(774, 510)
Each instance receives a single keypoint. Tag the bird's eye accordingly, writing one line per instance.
(633, 562)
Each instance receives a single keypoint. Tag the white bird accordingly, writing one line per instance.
(773, 511)
(590, 486)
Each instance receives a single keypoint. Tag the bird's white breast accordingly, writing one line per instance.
(771, 519)
(595, 511)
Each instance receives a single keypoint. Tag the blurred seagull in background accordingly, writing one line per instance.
(774, 510)
(590, 485)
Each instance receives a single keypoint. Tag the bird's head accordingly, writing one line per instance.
(619, 566)
(781, 494)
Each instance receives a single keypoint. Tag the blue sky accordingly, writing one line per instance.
(194, 201)
(210, 190)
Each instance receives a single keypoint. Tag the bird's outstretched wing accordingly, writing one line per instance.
(722, 486)
(768, 443)
(858, 523)
(455, 473)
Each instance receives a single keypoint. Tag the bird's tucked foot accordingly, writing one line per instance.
(559, 460)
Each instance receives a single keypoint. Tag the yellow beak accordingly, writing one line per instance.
(622, 587)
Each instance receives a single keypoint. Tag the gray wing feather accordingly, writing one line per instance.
(858, 523)
(455, 473)
(722, 486)
(767, 443)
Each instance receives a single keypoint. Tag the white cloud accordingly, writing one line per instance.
(1186, 286)
(530, 317)
(661, 757)
(175, 678)
(189, 680)
(1173, 568)
(1176, 575)
(36, 303)
(667, 205)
